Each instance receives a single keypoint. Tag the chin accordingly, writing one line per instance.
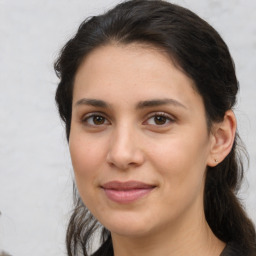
(130, 225)
(131, 231)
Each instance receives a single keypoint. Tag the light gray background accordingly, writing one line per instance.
(35, 170)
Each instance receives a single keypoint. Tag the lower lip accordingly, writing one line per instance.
(126, 196)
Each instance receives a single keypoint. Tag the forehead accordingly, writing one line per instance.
(117, 71)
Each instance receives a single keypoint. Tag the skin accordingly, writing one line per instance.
(115, 135)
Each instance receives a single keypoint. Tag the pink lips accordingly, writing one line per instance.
(126, 192)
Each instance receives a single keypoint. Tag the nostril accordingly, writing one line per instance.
(125, 160)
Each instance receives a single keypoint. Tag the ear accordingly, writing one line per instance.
(223, 135)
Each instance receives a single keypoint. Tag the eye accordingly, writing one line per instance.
(95, 120)
(159, 119)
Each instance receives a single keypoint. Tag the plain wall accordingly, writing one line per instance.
(35, 169)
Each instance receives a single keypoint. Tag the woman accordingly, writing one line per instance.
(146, 93)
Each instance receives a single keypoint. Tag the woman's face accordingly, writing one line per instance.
(139, 141)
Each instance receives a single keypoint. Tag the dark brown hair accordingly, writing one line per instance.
(199, 51)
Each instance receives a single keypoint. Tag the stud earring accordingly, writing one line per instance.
(215, 160)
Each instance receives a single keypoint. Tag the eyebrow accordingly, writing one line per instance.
(92, 102)
(140, 105)
(159, 102)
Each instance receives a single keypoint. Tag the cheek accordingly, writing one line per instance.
(87, 158)
(181, 162)
(85, 151)
(181, 171)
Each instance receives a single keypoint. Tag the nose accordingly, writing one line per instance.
(125, 149)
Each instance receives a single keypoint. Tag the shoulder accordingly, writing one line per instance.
(234, 249)
(106, 249)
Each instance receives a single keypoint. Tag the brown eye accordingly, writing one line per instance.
(160, 120)
(98, 120)
(95, 120)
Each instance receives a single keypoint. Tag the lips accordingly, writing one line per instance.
(126, 192)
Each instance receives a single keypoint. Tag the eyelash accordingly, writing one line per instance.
(94, 115)
(164, 115)
(167, 119)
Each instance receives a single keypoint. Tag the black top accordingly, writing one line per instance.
(232, 249)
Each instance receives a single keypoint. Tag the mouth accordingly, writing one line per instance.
(126, 192)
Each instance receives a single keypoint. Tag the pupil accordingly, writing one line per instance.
(98, 120)
(160, 120)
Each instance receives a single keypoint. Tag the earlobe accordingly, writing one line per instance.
(223, 135)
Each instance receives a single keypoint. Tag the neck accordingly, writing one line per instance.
(193, 238)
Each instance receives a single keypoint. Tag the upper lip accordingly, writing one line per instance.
(127, 185)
